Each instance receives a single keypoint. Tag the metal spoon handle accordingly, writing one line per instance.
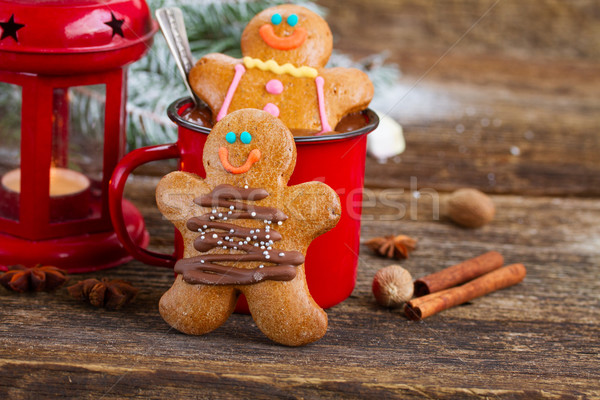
(173, 28)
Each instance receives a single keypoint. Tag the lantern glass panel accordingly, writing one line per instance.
(77, 153)
(10, 150)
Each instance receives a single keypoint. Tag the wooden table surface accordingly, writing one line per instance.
(513, 110)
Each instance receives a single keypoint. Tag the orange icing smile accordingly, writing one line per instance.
(253, 157)
(282, 43)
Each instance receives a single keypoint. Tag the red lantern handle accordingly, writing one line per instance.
(115, 198)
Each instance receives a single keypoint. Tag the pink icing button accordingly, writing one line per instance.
(271, 109)
(274, 86)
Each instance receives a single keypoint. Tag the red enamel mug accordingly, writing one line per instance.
(338, 160)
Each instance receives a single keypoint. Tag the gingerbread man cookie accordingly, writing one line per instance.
(245, 231)
(283, 72)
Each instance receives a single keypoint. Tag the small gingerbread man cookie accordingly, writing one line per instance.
(245, 231)
(283, 72)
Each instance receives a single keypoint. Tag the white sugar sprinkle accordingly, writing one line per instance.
(281, 254)
(245, 186)
(202, 237)
(214, 211)
(231, 231)
(215, 236)
(225, 247)
(267, 256)
(220, 242)
(204, 226)
(265, 252)
(248, 238)
(240, 243)
(262, 247)
(202, 261)
(255, 244)
(211, 217)
(268, 237)
(231, 207)
(279, 223)
(253, 214)
(261, 266)
(255, 237)
(220, 215)
(251, 232)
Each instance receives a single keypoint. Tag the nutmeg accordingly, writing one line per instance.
(393, 286)
(470, 208)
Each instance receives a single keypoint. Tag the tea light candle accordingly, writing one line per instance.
(63, 181)
(69, 195)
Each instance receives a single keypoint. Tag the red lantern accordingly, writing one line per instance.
(63, 75)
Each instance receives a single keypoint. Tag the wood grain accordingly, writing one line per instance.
(496, 139)
(545, 29)
(505, 101)
(538, 339)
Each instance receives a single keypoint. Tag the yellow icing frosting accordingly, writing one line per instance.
(271, 65)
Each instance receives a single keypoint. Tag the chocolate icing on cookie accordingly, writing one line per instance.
(256, 243)
(237, 219)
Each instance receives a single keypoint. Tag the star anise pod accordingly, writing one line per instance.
(393, 246)
(39, 278)
(110, 294)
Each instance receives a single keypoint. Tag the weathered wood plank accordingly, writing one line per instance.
(511, 107)
(535, 340)
(496, 139)
(544, 29)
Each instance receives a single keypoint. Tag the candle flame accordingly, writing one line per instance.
(63, 181)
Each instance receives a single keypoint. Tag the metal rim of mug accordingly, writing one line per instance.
(173, 113)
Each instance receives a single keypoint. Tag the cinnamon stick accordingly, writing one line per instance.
(459, 273)
(426, 306)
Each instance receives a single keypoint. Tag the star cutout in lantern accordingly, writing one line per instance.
(116, 25)
(10, 28)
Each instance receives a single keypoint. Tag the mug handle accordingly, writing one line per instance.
(115, 200)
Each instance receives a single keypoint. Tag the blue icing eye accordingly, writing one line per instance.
(230, 137)
(276, 19)
(292, 20)
(246, 137)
